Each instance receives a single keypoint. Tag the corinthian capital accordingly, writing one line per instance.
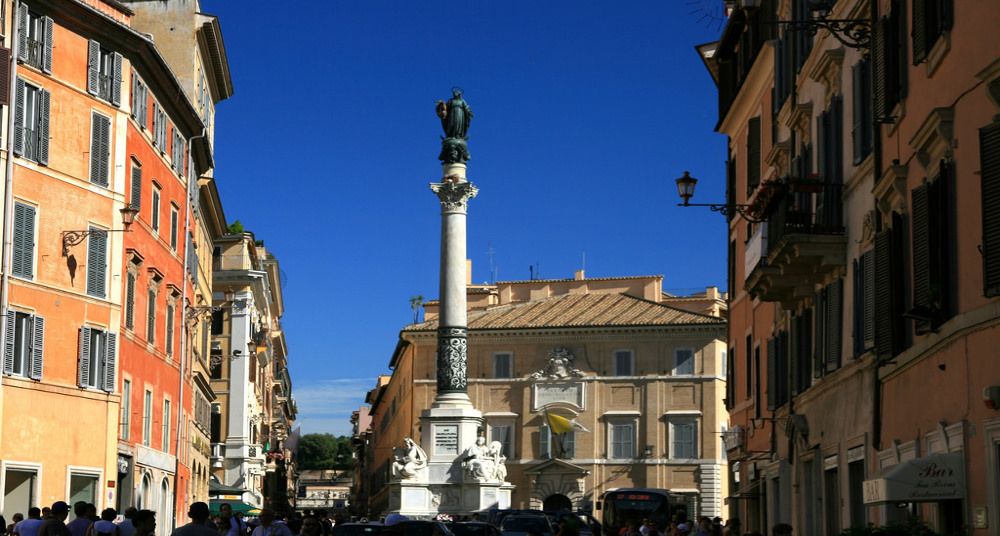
(454, 194)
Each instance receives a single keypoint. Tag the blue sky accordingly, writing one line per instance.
(585, 113)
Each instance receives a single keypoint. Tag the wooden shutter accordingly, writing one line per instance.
(22, 32)
(8, 347)
(169, 342)
(5, 67)
(116, 79)
(919, 31)
(83, 358)
(37, 347)
(921, 247)
(880, 68)
(858, 306)
(130, 301)
(836, 141)
(151, 317)
(100, 149)
(858, 119)
(43, 126)
(47, 45)
(820, 334)
(93, 66)
(834, 323)
(883, 306)
(868, 286)
(19, 117)
(136, 201)
(97, 263)
(989, 168)
(753, 154)
(772, 376)
(22, 256)
(110, 350)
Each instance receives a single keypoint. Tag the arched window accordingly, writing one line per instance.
(165, 514)
(145, 490)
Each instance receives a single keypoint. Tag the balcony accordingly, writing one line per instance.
(801, 245)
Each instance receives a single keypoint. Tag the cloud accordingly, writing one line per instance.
(325, 406)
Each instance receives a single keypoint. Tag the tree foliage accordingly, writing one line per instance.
(325, 451)
(236, 227)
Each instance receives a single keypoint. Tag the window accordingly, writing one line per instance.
(23, 354)
(829, 329)
(622, 440)
(216, 432)
(215, 360)
(503, 365)
(169, 340)
(218, 322)
(97, 359)
(934, 285)
(83, 487)
(126, 419)
(20, 491)
(165, 438)
(130, 301)
(100, 148)
(159, 128)
(151, 316)
(34, 34)
(173, 227)
(104, 73)
(147, 418)
(31, 122)
(504, 433)
(623, 363)
(23, 257)
(831, 496)
(683, 362)
(753, 154)
(989, 166)
(97, 262)
(931, 19)
(136, 201)
(177, 153)
(140, 101)
(889, 68)
(864, 302)
(561, 446)
(890, 273)
(861, 108)
(683, 439)
(154, 215)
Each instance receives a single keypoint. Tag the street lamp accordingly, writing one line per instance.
(852, 33)
(685, 188)
(72, 238)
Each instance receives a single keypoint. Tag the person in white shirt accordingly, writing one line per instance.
(269, 527)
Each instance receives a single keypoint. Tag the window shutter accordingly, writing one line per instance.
(110, 349)
(989, 168)
(169, 342)
(772, 376)
(834, 325)
(47, 45)
(37, 347)
(544, 448)
(22, 258)
(858, 311)
(93, 66)
(919, 31)
(880, 65)
(8, 347)
(753, 154)
(921, 247)
(151, 318)
(884, 321)
(43, 127)
(100, 146)
(19, 117)
(116, 79)
(83, 373)
(858, 97)
(130, 301)
(22, 32)
(837, 143)
(97, 263)
(868, 284)
(779, 74)
(136, 201)
(946, 15)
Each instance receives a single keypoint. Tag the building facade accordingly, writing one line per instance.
(643, 377)
(858, 208)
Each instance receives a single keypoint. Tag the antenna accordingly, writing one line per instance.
(493, 269)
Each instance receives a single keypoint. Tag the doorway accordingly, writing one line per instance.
(557, 503)
(19, 489)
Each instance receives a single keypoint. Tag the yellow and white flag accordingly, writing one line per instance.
(560, 425)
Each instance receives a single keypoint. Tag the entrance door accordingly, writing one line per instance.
(82, 487)
(19, 490)
(557, 503)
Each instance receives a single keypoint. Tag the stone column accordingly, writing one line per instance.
(454, 192)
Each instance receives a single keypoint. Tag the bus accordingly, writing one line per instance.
(618, 507)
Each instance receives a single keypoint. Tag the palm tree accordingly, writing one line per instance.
(415, 303)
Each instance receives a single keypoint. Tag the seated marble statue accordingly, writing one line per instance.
(499, 461)
(410, 459)
(478, 462)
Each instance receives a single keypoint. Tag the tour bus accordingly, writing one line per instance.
(617, 507)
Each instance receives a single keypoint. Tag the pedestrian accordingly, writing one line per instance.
(733, 527)
(104, 526)
(782, 529)
(199, 514)
(29, 527)
(269, 527)
(78, 527)
(631, 529)
(230, 525)
(311, 527)
(145, 522)
(126, 527)
(55, 524)
(18, 517)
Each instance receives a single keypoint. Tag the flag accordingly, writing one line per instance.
(560, 425)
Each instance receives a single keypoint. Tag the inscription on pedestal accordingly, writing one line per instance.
(446, 439)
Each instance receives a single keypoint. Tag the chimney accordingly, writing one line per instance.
(468, 272)
(578, 275)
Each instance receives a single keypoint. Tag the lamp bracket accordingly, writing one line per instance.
(73, 238)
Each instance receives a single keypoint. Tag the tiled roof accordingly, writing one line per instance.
(580, 310)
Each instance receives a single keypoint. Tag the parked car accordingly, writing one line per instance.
(526, 524)
(418, 528)
(473, 528)
(357, 529)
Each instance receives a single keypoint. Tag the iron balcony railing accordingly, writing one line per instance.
(805, 208)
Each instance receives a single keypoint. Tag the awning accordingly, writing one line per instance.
(937, 477)
(238, 506)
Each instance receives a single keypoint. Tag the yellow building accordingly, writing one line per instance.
(642, 376)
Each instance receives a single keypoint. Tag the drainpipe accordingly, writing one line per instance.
(8, 202)
(183, 349)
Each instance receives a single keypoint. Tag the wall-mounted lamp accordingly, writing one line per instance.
(72, 238)
(685, 188)
(853, 33)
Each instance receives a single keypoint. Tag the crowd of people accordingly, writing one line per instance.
(51, 521)
(704, 527)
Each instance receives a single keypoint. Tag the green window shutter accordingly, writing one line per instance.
(22, 32)
(151, 317)
(110, 350)
(868, 284)
(753, 154)
(47, 45)
(136, 201)
(83, 358)
(772, 376)
(22, 257)
(834, 323)
(19, 116)
(860, 122)
(37, 347)
(883, 306)
(8, 348)
(989, 176)
(919, 31)
(921, 247)
(43, 126)
(93, 66)
(116, 79)
(130, 301)
(100, 149)
(97, 263)
(169, 342)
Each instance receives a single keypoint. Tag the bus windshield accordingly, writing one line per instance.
(623, 506)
